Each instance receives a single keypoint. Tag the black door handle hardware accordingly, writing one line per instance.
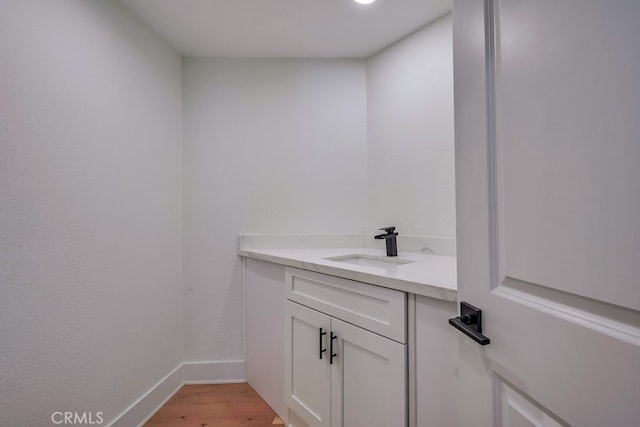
(332, 355)
(470, 323)
(322, 350)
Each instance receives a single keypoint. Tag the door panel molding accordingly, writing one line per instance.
(618, 322)
(568, 282)
(557, 216)
(492, 43)
(515, 408)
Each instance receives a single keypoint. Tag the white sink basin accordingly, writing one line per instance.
(371, 261)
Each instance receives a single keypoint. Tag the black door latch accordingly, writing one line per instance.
(470, 323)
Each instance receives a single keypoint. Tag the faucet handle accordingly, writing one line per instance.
(388, 230)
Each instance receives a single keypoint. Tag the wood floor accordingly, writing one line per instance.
(215, 405)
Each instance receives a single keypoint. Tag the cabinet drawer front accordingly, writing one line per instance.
(371, 307)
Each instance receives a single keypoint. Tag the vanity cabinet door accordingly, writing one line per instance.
(307, 375)
(368, 383)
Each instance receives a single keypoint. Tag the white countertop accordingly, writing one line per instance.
(433, 276)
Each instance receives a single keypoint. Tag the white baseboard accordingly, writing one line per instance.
(186, 373)
(214, 372)
(147, 405)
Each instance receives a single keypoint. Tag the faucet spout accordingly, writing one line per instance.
(389, 237)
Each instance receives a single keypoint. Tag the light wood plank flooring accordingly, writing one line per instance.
(215, 405)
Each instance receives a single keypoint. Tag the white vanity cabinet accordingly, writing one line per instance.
(264, 331)
(345, 352)
(396, 354)
(436, 363)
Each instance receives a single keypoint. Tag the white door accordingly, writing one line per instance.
(307, 371)
(368, 379)
(547, 107)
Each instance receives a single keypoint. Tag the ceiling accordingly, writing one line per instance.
(284, 28)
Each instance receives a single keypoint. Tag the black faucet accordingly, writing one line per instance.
(390, 239)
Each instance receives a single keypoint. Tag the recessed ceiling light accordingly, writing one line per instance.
(364, 1)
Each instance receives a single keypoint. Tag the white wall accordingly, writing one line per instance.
(410, 133)
(90, 212)
(91, 302)
(271, 146)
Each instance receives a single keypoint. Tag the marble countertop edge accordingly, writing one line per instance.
(430, 275)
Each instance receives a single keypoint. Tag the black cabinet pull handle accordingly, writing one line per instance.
(322, 350)
(470, 323)
(332, 355)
